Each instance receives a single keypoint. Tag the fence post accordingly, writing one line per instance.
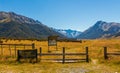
(1, 50)
(18, 57)
(33, 46)
(24, 46)
(40, 53)
(63, 61)
(87, 57)
(10, 49)
(105, 53)
(36, 56)
(15, 50)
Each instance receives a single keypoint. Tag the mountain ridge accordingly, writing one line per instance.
(20, 27)
(100, 29)
(11, 16)
(69, 33)
(17, 26)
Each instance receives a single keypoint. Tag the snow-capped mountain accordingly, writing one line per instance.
(68, 32)
(101, 29)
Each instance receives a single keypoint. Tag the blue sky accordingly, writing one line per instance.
(65, 14)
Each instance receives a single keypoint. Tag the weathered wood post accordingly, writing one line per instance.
(63, 61)
(18, 57)
(87, 56)
(56, 48)
(48, 49)
(1, 50)
(36, 56)
(33, 46)
(24, 46)
(40, 53)
(10, 49)
(105, 53)
(15, 49)
(56, 45)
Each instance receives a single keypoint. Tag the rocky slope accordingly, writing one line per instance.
(101, 29)
(16, 26)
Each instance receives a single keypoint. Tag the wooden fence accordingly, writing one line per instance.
(64, 54)
(106, 53)
(9, 46)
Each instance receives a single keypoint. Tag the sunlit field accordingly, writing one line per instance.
(97, 63)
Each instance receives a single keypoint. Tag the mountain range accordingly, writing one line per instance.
(17, 26)
(101, 29)
(68, 32)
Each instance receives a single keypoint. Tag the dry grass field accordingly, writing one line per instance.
(97, 64)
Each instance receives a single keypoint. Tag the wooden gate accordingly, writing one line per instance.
(64, 54)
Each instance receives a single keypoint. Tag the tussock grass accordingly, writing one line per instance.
(97, 64)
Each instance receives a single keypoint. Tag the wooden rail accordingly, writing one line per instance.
(63, 54)
(15, 47)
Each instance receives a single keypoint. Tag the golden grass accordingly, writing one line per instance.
(97, 63)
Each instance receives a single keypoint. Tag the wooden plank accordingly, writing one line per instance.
(17, 44)
(65, 59)
(75, 59)
(75, 54)
(48, 54)
(52, 59)
(55, 54)
(113, 53)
